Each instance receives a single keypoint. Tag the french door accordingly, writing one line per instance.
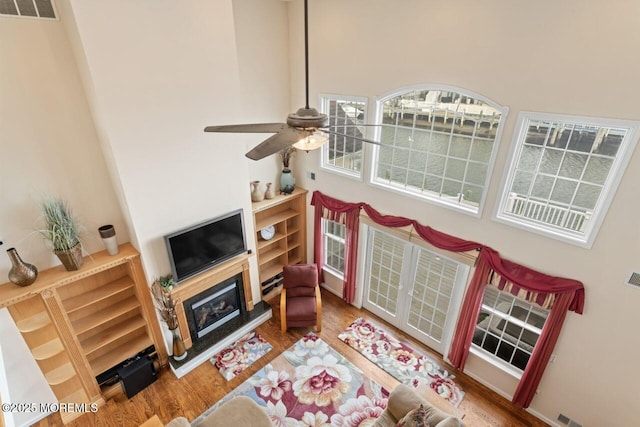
(413, 288)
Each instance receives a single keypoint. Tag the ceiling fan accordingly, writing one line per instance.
(306, 129)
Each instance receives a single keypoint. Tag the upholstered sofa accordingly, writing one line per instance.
(237, 412)
(242, 411)
(403, 399)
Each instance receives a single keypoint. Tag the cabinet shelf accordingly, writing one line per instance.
(48, 349)
(264, 243)
(288, 214)
(271, 254)
(60, 374)
(275, 218)
(112, 334)
(117, 355)
(87, 323)
(33, 323)
(98, 294)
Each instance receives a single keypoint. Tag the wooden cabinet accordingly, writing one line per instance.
(287, 214)
(79, 324)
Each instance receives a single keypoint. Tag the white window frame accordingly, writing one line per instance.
(424, 195)
(409, 264)
(587, 237)
(326, 236)
(493, 358)
(324, 100)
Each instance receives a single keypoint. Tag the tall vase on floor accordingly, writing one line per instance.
(179, 350)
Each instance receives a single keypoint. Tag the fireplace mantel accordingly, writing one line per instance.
(204, 281)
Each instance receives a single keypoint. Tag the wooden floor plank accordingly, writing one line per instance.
(191, 395)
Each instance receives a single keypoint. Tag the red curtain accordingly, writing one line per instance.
(343, 213)
(568, 293)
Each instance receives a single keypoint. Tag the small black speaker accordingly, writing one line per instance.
(137, 375)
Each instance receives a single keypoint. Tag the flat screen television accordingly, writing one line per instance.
(204, 245)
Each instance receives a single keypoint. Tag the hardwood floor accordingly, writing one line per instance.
(191, 395)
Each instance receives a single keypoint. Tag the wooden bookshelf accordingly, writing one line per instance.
(79, 324)
(288, 215)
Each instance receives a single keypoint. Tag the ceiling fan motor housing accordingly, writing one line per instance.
(307, 118)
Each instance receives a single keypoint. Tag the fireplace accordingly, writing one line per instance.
(214, 307)
(216, 310)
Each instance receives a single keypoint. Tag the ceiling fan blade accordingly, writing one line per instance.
(283, 139)
(357, 138)
(248, 128)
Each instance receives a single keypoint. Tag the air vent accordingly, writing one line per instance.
(43, 9)
(634, 279)
(567, 421)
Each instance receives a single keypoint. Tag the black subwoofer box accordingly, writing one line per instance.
(137, 375)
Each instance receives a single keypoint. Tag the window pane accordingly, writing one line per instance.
(597, 170)
(344, 153)
(559, 171)
(437, 133)
(573, 165)
(551, 160)
(508, 328)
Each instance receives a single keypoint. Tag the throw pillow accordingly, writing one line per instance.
(414, 418)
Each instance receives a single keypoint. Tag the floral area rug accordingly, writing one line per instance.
(400, 360)
(241, 354)
(311, 384)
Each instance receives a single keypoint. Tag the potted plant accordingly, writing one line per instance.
(287, 182)
(166, 305)
(62, 230)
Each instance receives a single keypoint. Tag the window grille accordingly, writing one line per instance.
(563, 173)
(344, 154)
(438, 144)
(44, 9)
(508, 328)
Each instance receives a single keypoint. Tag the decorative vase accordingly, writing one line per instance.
(179, 351)
(256, 194)
(287, 182)
(71, 258)
(21, 273)
(108, 235)
(269, 194)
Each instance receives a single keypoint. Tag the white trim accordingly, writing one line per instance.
(618, 167)
(439, 201)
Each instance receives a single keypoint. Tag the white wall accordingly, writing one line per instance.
(48, 144)
(563, 57)
(113, 118)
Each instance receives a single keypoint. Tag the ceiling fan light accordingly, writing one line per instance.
(312, 142)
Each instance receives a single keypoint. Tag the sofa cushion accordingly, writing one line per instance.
(239, 411)
(404, 399)
(415, 418)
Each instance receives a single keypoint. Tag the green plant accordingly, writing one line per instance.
(61, 228)
(166, 282)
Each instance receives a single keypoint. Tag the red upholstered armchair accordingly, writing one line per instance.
(300, 303)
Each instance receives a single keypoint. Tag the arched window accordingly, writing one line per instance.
(438, 143)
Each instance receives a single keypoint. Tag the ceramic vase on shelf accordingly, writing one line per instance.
(256, 194)
(21, 273)
(108, 235)
(287, 182)
(270, 193)
(179, 350)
